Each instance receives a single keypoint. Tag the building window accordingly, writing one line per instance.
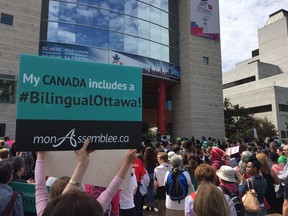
(239, 82)
(259, 109)
(283, 107)
(206, 60)
(6, 19)
(284, 134)
(7, 88)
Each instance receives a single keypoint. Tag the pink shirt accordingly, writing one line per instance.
(41, 191)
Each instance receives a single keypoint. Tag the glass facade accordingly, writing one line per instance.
(145, 28)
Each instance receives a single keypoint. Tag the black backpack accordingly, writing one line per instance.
(236, 201)
(176, 185)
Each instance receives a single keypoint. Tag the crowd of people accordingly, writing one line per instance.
(185, 176)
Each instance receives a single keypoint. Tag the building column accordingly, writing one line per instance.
(161, 111)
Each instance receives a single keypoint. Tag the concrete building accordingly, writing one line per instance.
(180, 55)
(260, 83)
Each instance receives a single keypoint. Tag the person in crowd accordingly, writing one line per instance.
(210, 201)
(127, 205)
(144, 181)
(259, 184)
(4, 154)
(285, 203)
(19, 167)
(75, 202)
(205, 173)
(150, 164)
(176, 207)
(159, 186)
(139, 172)
(272, 179)
(192, 163)
(276, 166)
(29, 162)
(6, 175)
(241, 168)
(4, 144)
(228, 179)
(282, 157)
(282, 175)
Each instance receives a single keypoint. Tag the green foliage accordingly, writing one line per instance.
(239, 123)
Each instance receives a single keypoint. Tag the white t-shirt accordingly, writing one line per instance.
(127, 194)
(175, 205)
(160, 172)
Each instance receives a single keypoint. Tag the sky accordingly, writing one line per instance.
(239, 22)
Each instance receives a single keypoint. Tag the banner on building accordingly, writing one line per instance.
(61, 103)
(204, 18)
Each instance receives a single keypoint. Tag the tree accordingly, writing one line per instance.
(240, 123)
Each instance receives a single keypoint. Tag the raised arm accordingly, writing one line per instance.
(41, 192)
(79, 172)
(105, 198)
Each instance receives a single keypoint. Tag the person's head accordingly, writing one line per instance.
(141, 157)
(253, 166)
(226, 174)
(58, 187)
(176, 161)
(6, 171)
(2, 143)
(192, 161)
(204, 172)
(217, 153)
(162, 157)
(4, 153)
(217, 205)
(285, 150)
(262, 158)
(6, 138)
(273, 157)
(149, 156)
(279, 151)
(73, 204)
(18, 165)
(245, 156)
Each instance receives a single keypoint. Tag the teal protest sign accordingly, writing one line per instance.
(62, 102)
(27, 192)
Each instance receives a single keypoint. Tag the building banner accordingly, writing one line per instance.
(62, 102)
(204, 18)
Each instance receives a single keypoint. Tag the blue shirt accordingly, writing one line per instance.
(259, 184)
(6, 193)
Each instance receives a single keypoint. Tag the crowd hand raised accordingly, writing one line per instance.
(131, 156)
(82, 154)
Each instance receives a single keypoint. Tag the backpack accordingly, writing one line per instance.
(176, 185)
(237, 202)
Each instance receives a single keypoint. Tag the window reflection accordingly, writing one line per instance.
(130, 44)
(143, 47)
(67, 12)
(165, 53)
(102, 3)
(155, 15)
(117, 5)
(100, 38)
(66, 33)
(164, 19)
(53, 11)
(143, 11)
(116, 41)
(155, 33)
(84, 35)
(116, 22)
(130, 7)
(131, 25)
(156, 3)
(101, 18)
(88, 2)
(165, 36)
(156, 51)
(84, 15)
(143, 29)
(164, 5)
(52, 31)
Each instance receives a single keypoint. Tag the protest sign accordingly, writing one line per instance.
(27, 192)
(63, 102)
(103, 166)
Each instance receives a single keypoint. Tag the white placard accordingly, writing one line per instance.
(103, 166)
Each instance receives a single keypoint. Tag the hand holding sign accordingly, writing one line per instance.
(82, 154)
